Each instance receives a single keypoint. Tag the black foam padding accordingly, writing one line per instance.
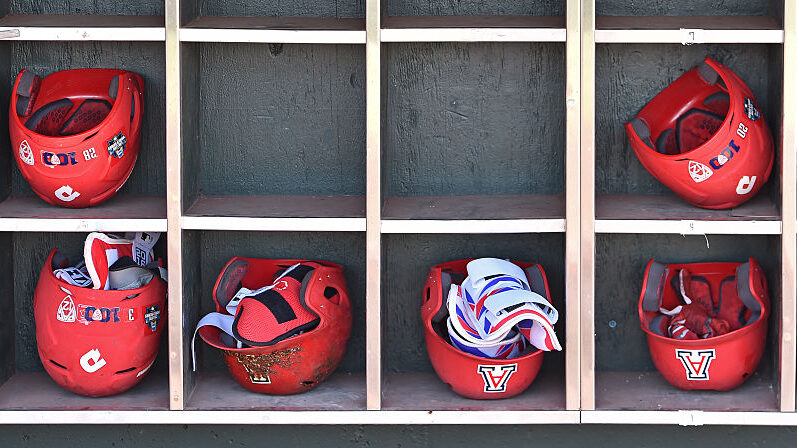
(27, 92)
(113, 88)
(655, 279)
(745, 293)
(707, 73)
(42, 112)
(233, 273)
(536, 280)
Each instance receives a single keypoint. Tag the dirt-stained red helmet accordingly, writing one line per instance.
(704, 137)
(75, 133)
(469, 375)
(97, 342)
(286, 322)
(737, 297)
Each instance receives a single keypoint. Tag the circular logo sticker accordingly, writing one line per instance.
(25, 153)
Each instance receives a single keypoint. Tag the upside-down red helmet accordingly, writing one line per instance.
(704, 138)
(469, 375)
(75, 133)
(715, 363)
(97, 342)
(291, 347)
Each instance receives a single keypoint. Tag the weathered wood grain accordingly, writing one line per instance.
(298, 8)
(679, 8)
(473, 7)
(136, 7)
(474, 119)
(282, 119)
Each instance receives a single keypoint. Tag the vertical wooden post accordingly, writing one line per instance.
(573, 204)
(177, 381)
(588, 205)
(788, 353)
(373, 208)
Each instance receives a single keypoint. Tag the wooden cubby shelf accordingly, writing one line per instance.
(474, 29)
(390, 136)
(296, 30)
(82, 27)
(688, 30)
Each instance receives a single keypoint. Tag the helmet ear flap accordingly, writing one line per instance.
(27, 92)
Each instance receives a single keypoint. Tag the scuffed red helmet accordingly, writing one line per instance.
(75, 133)
(295, 334)
(469, 375)
(715, 363)
(97, 342)
(704, 138)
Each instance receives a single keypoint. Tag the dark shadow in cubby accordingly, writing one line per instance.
(191, 9)
(474, 118)
(21, 366)
(627, 76)
(621, 350)
(473, 8)
(204, 255)
(405, 360)
(83, 7)
(273, 120)
(145, 58)
(690, 8)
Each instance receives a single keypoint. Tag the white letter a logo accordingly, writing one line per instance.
(496, 377)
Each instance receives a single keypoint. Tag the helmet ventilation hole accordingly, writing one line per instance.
(332, 295)
(125, 371)
(59, 365)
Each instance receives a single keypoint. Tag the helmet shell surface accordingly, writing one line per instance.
(728, 168)
(75, 134)
(718, 363)
(468, 375)
(299, 363)
(97, 342)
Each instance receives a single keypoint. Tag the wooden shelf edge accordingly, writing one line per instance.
(552, 225)
(689, 418)
(688, 227)
(82, 225)
(290, 417)
(686, 36)
(286, 36)
(272, 224)
(409, 35)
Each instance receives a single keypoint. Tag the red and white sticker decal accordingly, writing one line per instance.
(696, 363)
(496, 377)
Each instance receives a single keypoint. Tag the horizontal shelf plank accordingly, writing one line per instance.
(123, 213)
(648, 391)
(626, 213)
(688, 29)
(425, 391)
(218, 391)
(473, 214)
(474, 29)
(292, 417)
(689, 418)
(305, 30)
(36, 391)
(277, 213)
(82, 28)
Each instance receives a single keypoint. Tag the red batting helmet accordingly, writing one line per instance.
(97, 342)
(469, 375)
(286, 322)
(714, 363)
(704, 137)
(75, 133)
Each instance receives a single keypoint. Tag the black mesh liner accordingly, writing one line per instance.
(89, 114)
(48, 118)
